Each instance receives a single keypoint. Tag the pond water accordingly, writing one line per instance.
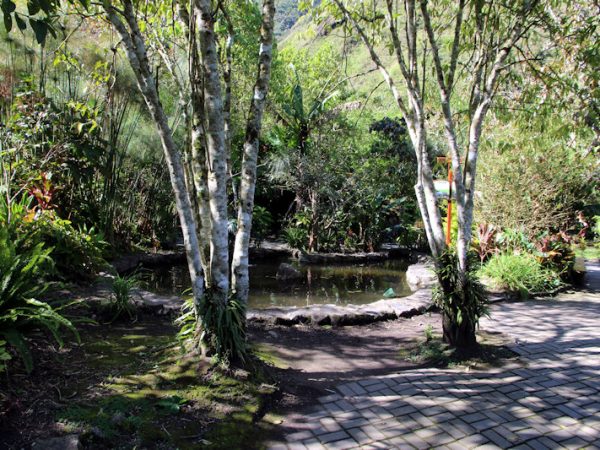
(320, 284)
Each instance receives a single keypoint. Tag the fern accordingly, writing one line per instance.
(23, 265)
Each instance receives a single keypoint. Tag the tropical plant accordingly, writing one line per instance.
(556, 252)
(485, 241)
(522, 273)
(121, 302)
(22, 271)
(463, 301)
(512, 240)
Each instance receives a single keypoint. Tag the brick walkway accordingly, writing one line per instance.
(550, 400)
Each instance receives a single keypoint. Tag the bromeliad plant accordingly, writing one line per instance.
(462, 306)
(222, 328)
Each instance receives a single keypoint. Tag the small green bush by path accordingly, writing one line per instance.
(121, 301)
(520, 272)
(77, 253)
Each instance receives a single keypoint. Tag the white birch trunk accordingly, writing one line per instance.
(240, 279)
(216, 150)
(138, 59)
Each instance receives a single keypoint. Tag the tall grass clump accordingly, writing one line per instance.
(521, 273)
(121, 299)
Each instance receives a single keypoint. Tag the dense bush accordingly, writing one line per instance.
(77, 254)
(522, 273)
(536, 172)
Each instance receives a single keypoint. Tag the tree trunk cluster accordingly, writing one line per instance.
(200, 173)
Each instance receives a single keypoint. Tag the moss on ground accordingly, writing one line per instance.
(152, 396)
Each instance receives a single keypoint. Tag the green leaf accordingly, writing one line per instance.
(33, 7)
(20, 22)
(40, 28)
(8, 7)
(8, 22)
(16, 339)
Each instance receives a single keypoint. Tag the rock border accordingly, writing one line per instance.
(388, 309)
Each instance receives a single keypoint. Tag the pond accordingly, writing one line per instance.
(320, 284)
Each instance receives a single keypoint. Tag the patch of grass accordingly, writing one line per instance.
(265, 353)
(521, 273)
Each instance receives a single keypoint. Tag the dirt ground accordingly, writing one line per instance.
(310, 360)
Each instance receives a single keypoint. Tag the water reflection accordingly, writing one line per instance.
(320, 284)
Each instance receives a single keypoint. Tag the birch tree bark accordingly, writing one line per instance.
(127, 27)
(215, 149)
(240, 278)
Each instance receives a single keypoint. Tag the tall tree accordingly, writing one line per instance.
(482, 35)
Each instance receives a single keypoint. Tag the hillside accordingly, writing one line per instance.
(286, 16)
(368, 89)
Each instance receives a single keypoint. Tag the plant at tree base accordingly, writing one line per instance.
(220, 330)
(463, 301)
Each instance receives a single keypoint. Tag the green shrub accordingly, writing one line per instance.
(296, 231)
(462, 303)
(262, 223)
(520, 272)
(121, 301)
(77, 254)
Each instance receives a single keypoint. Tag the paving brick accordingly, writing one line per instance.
(344, 444)
(357, 388)
(574, 442)
(313, 444)
(331, 437)
(496, 438)
(359, 436)
(299, 436)
(475, 417)
(484, 424)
